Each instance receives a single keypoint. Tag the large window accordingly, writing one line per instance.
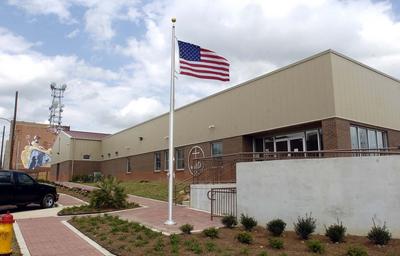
(216, 149)
(180, 159)
(157, 161)
(365, 138)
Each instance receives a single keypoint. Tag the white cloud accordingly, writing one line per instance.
(60, 8)
(11, 43)
(74, 33)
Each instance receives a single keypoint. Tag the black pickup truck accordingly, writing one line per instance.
(20, 189)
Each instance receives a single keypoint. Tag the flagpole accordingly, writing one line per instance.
(171, 129)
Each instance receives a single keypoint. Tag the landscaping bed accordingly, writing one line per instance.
(87, 209)
(127, 238)
(149, 189)
(82, 194)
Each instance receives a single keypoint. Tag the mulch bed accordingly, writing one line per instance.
(127, 238)
(87, 209)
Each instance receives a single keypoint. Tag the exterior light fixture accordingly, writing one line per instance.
(211, 126)
(140, 138)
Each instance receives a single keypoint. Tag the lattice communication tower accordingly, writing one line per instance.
(56, 108)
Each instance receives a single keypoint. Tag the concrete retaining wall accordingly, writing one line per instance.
(353, 189)
(198, 195)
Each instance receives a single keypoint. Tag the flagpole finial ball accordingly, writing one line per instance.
(173, 20)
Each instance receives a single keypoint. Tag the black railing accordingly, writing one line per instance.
(222, 169)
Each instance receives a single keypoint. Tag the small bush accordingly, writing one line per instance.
(186, 229)
(276, 227)
(229, 221)
(109, 195)
(336, 232)
(248, 222)
(305, 226)
(244, 237)
(276, 243)
(379, 234)
(356, 251)
(211, 232)
(316, 246)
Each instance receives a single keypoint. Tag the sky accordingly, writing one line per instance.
(115, 55)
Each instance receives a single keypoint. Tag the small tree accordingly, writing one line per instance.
(109, 195)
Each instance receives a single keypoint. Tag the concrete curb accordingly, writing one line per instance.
(87, 239)
(21, 241)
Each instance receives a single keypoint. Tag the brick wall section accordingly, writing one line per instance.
(143, 165)
(336, 134)
(393, 138)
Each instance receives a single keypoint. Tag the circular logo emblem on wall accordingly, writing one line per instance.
(195, 165)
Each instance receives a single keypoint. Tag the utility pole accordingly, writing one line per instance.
(2, 144)
(13, 131)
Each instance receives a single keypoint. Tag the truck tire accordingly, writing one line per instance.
(48, 201)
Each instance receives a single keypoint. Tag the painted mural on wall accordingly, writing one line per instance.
(34, 155)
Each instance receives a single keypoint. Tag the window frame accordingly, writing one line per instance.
(166, 160)
(128, 165)
(157, 161)
(212, 148)
(178, 160)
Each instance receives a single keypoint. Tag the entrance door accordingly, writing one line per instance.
(282, 145)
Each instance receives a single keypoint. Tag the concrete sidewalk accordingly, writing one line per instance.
(154, 213)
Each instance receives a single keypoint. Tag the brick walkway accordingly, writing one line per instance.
(155, 213)
(49, 237)
(67, 200)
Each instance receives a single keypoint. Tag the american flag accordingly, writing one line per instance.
(202, 63)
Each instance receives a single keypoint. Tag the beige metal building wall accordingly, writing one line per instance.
(299, 93)
(61, 148)
(365, 95)
(65, 147)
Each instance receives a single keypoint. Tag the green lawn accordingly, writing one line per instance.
(151, 189)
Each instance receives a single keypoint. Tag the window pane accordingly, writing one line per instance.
(24, 179)
(312, 140)
(354, 137)
(258, 145)
(157, 161)
(216, 149)
(166, 157)
(372, 139)
(128, 165)
(379, 139)
(5, 178)
(269, 145)
(362, 136)
(180, 159)
(385, 140)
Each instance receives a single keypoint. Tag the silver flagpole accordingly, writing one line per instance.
(170, 221)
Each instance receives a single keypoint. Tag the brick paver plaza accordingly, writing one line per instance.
(48, 236)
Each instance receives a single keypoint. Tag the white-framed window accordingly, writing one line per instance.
(157, 161)
(180, 158)
(128, 165)
(367, 138)
(166, 160)
(216, 148)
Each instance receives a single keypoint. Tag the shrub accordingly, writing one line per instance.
(276, 243)
(316, 246)
(229, 221)
(356, 251)
(305, 226)
(336, 232)
(109, 195)
(248, 222)
(276, 227)
(186, 229)
(211, 232)
(244, 237)
(379, 234)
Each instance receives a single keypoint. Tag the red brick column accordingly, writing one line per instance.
(336, 134)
